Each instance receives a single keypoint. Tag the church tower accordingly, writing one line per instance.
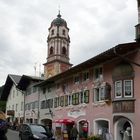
(58, 48)
(138, 25)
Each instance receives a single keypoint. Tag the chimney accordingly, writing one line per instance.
(138, 25)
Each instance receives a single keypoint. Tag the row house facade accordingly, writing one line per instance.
(21, 99)
(101, 93)
(31, 97)
(14, 99)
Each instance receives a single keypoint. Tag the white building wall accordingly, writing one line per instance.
(15, 101)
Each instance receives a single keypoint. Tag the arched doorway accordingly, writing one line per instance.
(83, 129)
(120, 126)
(101, 126)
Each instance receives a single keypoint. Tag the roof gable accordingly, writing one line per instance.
(11, 79)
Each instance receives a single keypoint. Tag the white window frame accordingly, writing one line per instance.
(97, 90)
(124, 85)
(120, 88)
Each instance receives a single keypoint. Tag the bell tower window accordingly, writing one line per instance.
(52, 32)
(64, 32)
(64, 50)
(51, 50)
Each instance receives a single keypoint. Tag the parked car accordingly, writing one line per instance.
(34, 132)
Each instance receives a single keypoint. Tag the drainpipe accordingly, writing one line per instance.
(38, 114)
(24, 93)
(125, 58)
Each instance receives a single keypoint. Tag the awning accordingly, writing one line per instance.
(64, 121)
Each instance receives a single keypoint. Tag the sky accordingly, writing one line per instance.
(95, 26)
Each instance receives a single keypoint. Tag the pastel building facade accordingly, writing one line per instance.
(14, 99)
(31, 97)
(100, 95)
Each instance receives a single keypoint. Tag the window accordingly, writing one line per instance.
(118, 89)
(64, 32)
(86, 96)
(13, 93)
(49, 89)
(66, 100)
(43, 104)
(34, 89)
(76, 79)
(51, 50)
(49, 103)
(33, 105)
(12, 107)
(69, 100)
(128, 86)
(28, 91)
(102, 92)
(36, 104)
(98, 72)
(44, 90)
(62, 101)
(26, 106)
(75, 99)
(98, 94)
(22, 106)
(81, 94)
(122, 76)
(29, 106)
(123, 88)
(52, 32)
(85, 76)
(56, 102)
(64, 50)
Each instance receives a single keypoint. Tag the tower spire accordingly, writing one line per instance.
(59, 15)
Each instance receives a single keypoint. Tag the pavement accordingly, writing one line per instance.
(12, 135)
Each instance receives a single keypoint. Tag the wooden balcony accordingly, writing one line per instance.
(124, 106)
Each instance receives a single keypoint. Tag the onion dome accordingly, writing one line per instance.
(59, 21)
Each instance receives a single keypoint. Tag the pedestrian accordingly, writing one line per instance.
(74, 133)
(127, 134)
(3, 126)
(108, 136)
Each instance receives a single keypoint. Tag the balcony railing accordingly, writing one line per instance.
(124, 106)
